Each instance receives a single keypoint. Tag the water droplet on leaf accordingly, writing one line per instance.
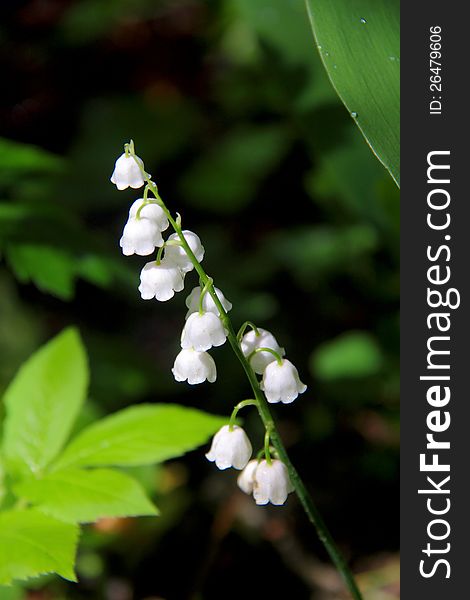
(354, 115)
(363, 21)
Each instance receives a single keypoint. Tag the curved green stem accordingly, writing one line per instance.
(242, 330)
(204, 291)
(158, 259)
(238, 407)
(267, 452)
(276, 355)
(263, 408)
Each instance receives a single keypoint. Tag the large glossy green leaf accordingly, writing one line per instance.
(43, 401)
(140, 435)
(32, 543)
(359, 42)
(82, 496)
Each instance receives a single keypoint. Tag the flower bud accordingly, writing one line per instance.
(194, 366)
(127, 172)
(271, 483)
(177, 254)
(202, 331)
(160, 281)
(265, 339)
(230, 448)
(281, 382)
(208, 304)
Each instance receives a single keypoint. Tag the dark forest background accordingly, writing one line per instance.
(229, 106)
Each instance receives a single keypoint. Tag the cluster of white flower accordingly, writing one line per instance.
(267, 479)
(280, 381)
(162, 277)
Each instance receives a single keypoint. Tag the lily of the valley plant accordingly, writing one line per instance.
(270, 477)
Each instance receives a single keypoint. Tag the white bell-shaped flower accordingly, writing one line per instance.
(142, 232)
(127, 172)
(202, 331)
(177, 254)
(140, 236)
(208, 304)
(265, 339)
(151, 211)
(230, 448)
(271, 483)
(246, 479)
(281, 382)
(160, 281)
(194, 367)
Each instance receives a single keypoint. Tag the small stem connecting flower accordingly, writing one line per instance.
(243, 328)
(260, 454)
(204, 291)
(276, 355)
(238, 407)
(267, 451)
(158, 259)
(129, 149)
(146, 193)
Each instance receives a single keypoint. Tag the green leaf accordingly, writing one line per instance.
(141, 435)
(12, 593)
(17, 158)
(352, 354)
(311, 253)
(32, 543)
(81, 496)
(359, 43)
(50, 269)
(43, 401)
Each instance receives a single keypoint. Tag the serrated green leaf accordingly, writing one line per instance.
(80, 496)
(359, 44)
(32, 543)
(140, 435)
(43, 401)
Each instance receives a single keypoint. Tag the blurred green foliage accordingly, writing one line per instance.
(230, 107)
(352, 354)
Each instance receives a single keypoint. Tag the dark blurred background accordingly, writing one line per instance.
(230, 108)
